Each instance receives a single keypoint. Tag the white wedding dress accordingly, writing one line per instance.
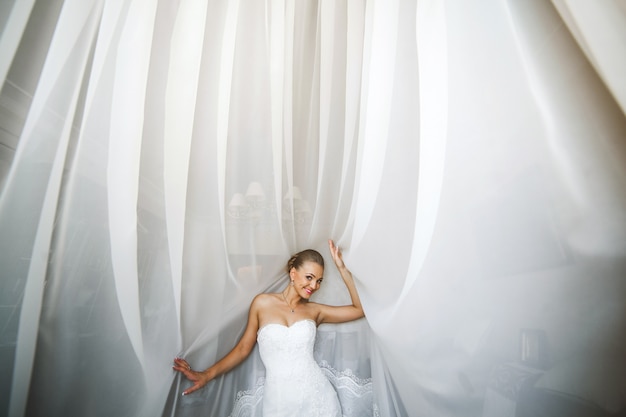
(294, 383)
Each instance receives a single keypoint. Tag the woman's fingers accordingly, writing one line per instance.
(181, 365)
(193, 388)
(182, 369)
(197, 378)
(335, 252)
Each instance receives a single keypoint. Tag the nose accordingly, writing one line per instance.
(313, 285)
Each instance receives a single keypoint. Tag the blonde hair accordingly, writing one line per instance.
(307, 255)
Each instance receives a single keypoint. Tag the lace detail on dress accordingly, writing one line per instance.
(347, 378)
(295, 384)
(248, 402)
(355, 394)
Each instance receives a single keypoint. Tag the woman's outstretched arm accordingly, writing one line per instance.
(228, 362)
(333, 314)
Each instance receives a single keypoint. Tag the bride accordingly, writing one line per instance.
(284, 324)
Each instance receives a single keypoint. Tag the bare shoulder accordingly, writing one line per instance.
(264, 300)
(260, 304)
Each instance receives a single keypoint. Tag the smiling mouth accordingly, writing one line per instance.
(308, 291)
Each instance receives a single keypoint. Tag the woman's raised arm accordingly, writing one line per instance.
(340, 314)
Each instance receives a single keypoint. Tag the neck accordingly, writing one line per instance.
(291, 296)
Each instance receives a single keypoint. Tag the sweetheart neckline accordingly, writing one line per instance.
(285, 325)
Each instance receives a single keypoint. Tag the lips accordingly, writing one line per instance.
(308, 291)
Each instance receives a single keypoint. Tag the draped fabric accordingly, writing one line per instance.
(161, 160)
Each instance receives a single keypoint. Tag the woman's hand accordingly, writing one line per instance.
(335, 252)
(199, 379)
(341, 314)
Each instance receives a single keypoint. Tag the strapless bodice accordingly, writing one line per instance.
(294, 383)
(282, 347)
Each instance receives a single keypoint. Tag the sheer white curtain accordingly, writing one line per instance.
(160, 161)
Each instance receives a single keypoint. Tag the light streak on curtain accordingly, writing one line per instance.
(180, 112)
(160, 161)
(129, 91)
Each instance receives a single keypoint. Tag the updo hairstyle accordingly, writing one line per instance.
(307, 255)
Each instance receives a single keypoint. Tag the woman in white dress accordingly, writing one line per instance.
(284, 324)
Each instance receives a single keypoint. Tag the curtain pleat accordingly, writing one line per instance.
(47, 131)
(18, 13)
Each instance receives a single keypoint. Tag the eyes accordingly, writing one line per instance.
(311, 277)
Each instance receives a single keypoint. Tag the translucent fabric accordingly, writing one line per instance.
(161, 160)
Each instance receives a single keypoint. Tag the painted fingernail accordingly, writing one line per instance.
(184, 393)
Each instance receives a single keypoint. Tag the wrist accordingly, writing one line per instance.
(208, 374)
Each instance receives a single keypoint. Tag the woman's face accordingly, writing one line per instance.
(307, 279)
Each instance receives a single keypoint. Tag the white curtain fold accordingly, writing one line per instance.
(45, 141)
(165, 159)
(180, 101)
(599, 29)
(16, 15)
(433, 106)
(126, 125)
(377, 88)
